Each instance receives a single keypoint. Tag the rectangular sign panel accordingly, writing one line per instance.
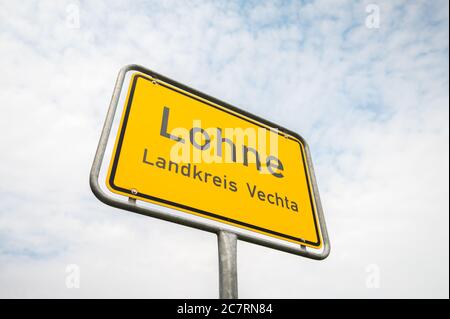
(178, 148)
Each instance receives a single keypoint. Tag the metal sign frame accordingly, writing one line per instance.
(223, 233)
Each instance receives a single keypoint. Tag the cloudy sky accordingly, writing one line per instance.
(369, 95)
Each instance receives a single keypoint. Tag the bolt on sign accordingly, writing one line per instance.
(182, 149)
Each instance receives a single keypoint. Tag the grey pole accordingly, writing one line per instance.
(228, 286)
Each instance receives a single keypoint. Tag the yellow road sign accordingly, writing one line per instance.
(186, 151)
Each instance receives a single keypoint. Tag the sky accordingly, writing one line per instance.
(366, 83)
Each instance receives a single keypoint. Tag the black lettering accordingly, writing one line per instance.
(252, 192)
(294, 206)
(164, 124)
(173, 164)
(273, 164)
(205, 134)
(186, 169)
(197, 174)
(217, 181)
(220, 141)
(161, 162)
(245, 150)
(144, 160)
(279, 200)
(277, 165)
(261, 195)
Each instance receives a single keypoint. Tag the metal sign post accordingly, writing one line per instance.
(228, 286)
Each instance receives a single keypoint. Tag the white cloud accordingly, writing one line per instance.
(373, 104)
